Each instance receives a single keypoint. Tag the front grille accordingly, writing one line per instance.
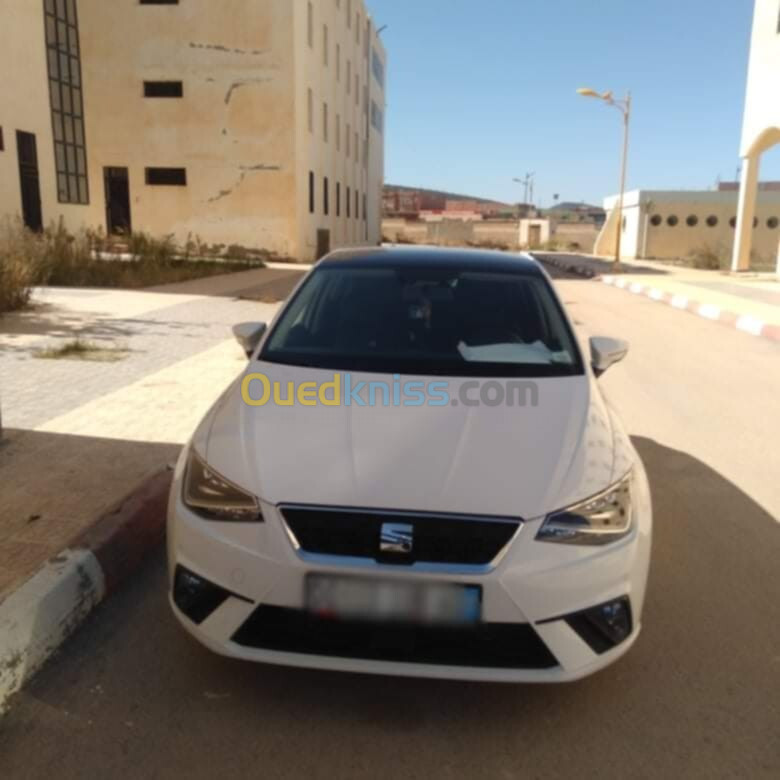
(444, 539)
(490, 645)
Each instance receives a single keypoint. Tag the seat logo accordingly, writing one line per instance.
(396, 538)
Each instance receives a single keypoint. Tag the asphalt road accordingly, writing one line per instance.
(699, 696)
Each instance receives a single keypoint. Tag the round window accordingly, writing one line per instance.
(755, 222)
(672, 221)
(712, 220)
(692, 221)
(772, 223)
(733, 222)
(656, 220)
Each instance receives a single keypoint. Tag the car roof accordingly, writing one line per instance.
(432, 257)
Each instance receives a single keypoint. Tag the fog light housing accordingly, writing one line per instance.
(605, 626)
(196, 597)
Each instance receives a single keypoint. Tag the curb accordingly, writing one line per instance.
(566, 265)
(745, 323)
(41, 614)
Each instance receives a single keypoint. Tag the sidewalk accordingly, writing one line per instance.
(749, 302)
(81, 436)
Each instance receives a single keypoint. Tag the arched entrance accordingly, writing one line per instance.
(748, 192)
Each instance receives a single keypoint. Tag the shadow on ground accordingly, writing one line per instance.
(52, 486)
(54, 321)
(593, 266)
(698, 695)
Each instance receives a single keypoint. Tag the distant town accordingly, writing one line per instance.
(418, 215)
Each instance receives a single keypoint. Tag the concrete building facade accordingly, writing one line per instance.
(239, 123)
(761, 125)
(33, 184)
(671, 224)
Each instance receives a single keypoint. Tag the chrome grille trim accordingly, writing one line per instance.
(421, 567)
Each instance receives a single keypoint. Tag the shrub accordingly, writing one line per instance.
(489, 244)
(709, 258)
(91, 259)
(21, 263)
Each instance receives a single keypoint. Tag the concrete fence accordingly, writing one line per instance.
(504, 234)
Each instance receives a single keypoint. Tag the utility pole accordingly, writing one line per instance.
(528, 183)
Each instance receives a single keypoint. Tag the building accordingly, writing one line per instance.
(761, 125)
(32, 184)
(410, 202)
(263, 128)
(577, 212)
(672, 224)
(763, 186)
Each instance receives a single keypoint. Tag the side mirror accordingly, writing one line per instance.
(249, 335)
(605, 352)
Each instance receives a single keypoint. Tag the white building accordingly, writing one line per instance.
(671, 224)
(761, 128)
(259, 126)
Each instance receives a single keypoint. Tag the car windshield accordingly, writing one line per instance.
(425, 321)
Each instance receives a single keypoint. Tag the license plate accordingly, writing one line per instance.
(355, 598)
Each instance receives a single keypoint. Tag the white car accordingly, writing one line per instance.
(416, 475)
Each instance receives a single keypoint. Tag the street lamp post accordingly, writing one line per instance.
(624, 106)
(527, 182)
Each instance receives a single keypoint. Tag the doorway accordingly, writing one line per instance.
(27, 150)
(534, 236)
(116, 182)
(323, 243)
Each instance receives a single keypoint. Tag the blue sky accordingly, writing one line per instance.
(480, 92)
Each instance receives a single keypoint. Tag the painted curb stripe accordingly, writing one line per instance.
(746, 323)
(710, 311)
(40, 615)
(750, 324)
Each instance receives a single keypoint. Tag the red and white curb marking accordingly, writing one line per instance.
(40, 615)
(746, 323)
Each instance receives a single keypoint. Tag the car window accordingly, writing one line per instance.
(425, 321)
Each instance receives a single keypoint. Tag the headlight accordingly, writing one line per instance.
(603, 519)
(216, 498)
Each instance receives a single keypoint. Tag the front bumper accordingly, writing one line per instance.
(533, 588)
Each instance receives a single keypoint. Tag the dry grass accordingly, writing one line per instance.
(61, 259)
(709, 258)
(22, 261)
(718, 258)
(77, 349)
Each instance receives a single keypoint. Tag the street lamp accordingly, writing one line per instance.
(527, 182)
(624, 106)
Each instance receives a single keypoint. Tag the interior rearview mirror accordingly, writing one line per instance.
(249, 335)
(605, 352)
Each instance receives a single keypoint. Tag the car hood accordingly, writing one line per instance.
(512, 461)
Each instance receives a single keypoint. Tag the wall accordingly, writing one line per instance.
(462, 233)
(666, 241)
(576, 236)
(25, 106)
(529, 226)
(231, 130)
(355, 167)
(450, 232)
